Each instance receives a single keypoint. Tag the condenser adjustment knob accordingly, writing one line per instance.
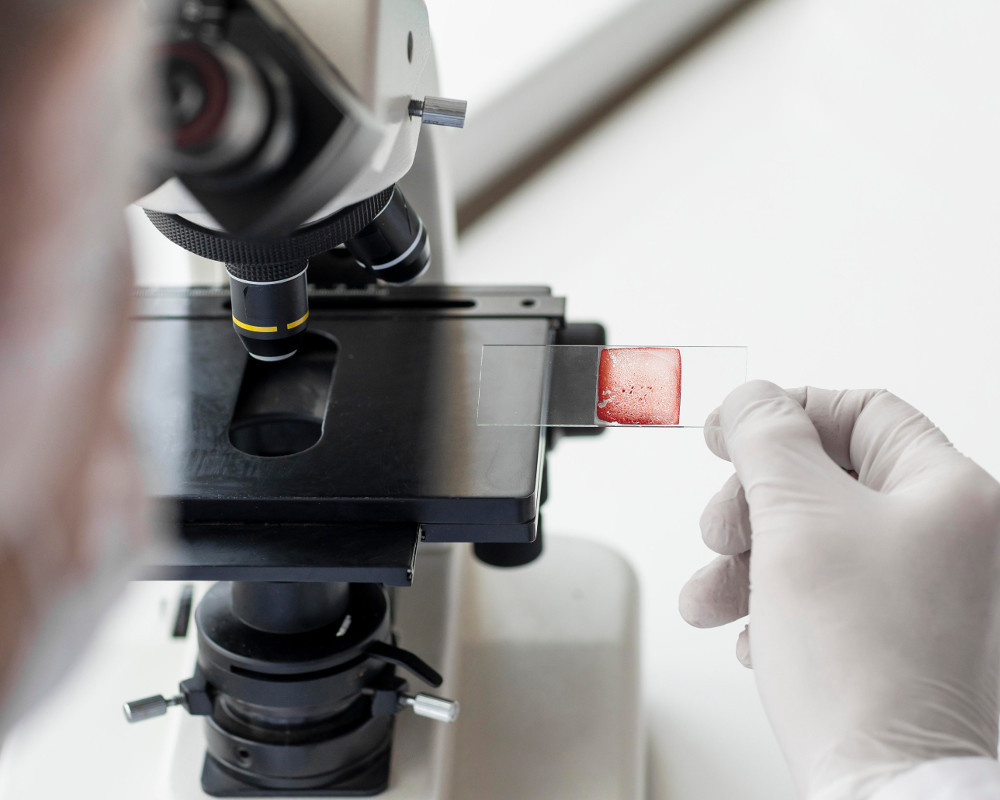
(436, 708)
(149, 707)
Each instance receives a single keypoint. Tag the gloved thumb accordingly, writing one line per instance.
(774, 446)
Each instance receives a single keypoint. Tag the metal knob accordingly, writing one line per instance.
(149, 707)
(439, 111)
(437, 708)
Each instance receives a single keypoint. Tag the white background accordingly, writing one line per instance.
(820, 183)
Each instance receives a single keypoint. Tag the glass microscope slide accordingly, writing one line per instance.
(594, 386)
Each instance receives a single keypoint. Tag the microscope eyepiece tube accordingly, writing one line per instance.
(270, 308)
(394, 244)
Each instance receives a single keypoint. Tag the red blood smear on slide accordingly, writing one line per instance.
(639, 386)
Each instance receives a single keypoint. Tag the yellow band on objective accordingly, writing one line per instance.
(256, 328)
(298, 322)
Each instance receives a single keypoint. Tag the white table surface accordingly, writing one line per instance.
(819, 183)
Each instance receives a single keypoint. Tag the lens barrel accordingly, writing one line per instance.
(394, 244)
(270, 308)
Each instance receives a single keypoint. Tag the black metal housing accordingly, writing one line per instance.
(291, 671)
(400, 459)
(252, 258)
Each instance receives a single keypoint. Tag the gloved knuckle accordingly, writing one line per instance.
(754, 390)
(796, 563)
(770, 438)
(981, 500)
(709, 522)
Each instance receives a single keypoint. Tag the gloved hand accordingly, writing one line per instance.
(875, 605)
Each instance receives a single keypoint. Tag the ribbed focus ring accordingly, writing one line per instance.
(302, 244)
(265, 273)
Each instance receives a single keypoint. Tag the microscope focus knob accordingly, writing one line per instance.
(436, 708)
(439, 111)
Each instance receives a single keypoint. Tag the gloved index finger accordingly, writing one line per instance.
(725, 522)
(713, 435)
(873, 432)
(834, 413)
(773, 444)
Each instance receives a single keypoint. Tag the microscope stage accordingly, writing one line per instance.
(339, 460)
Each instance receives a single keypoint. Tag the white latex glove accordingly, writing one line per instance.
(875, 603)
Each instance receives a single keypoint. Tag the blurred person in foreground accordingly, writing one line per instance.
(71, 512)
(872, 545)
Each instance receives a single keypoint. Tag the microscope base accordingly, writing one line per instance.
(543, 658)
(369, 783)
